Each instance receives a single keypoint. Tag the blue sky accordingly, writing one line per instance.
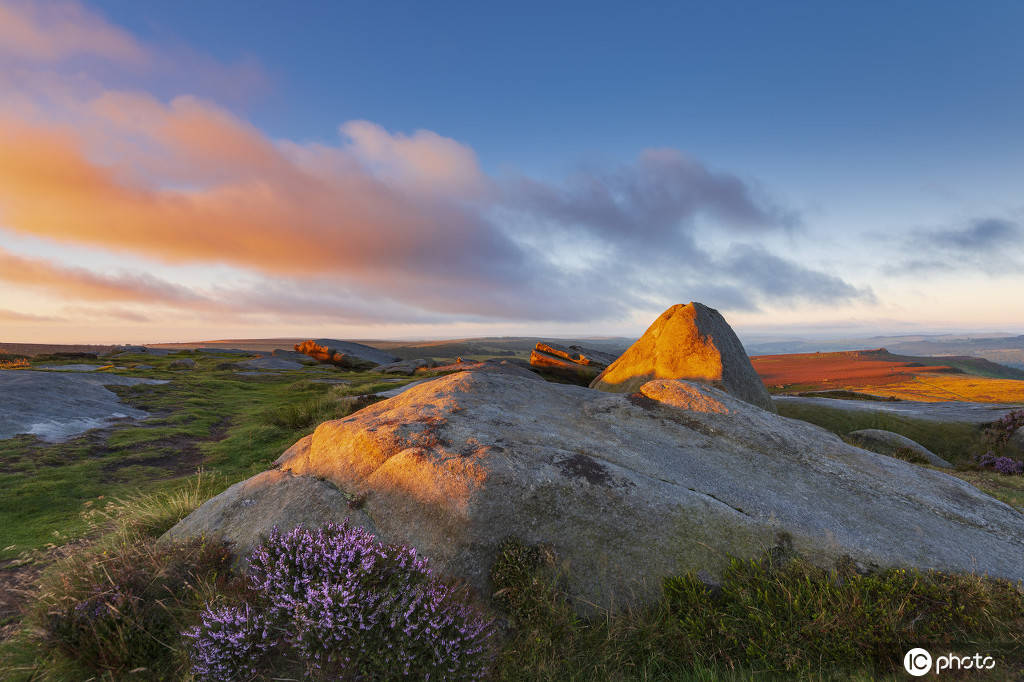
(832, 166)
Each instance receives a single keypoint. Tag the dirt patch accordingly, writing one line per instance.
(182, 453)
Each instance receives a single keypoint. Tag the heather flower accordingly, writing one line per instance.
(1003, 465)
(230, 643)
(351, 607)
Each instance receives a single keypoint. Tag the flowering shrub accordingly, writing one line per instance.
(347, 606)
(232, 642)
(1002, 465)
(999, 431)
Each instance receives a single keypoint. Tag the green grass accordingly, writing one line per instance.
(205, 417)
(775, 617)
(956, 443)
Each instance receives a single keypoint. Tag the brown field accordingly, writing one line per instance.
(880, 373)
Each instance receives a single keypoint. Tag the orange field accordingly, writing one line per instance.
(880, 373)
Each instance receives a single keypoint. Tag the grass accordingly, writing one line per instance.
(957, 443)
(233, 426)
(123, 487)
(776, 616)
(114, 607)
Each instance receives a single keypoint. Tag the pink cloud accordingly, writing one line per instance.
(52, 31)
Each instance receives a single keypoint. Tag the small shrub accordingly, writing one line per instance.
(230, 643)
(999, 432)
(123, 608)
(349, 607)
(1002, 465)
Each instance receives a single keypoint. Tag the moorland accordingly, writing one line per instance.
(81, 518)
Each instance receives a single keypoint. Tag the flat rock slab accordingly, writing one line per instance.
(73, 368)
(951, 412)
(228, 351)
(56, 406)
(626, 488)
(270, 363)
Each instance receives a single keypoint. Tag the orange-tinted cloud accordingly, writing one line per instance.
(51, 31)
(84, 284)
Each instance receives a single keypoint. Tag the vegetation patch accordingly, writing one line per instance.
(777, 616)
(336, 604)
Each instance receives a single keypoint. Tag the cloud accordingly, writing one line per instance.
(376, 226)
(83, 284)
(653, 202)
(985, 235)
(52, 31)
(987, 245)
(15, 316)
(773, 277)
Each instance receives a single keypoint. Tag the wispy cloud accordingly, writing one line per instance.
(376, 224)
(989, 245)
(52, 31)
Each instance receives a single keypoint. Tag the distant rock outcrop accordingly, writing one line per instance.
(407, 366)
(182, 363)
(692, 342)
(269, 363)
(626, 489)
(889, 443)
(572, 360)
(344, 354)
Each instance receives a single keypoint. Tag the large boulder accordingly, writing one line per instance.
(692, 342)
(575, 361)
(625, 488)
(894, 445)
(358, 350)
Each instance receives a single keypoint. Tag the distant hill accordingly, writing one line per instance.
(1003, 349)
(443, 349)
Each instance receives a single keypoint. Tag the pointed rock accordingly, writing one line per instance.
(692, 342)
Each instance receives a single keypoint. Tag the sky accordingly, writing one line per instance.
(195, 170)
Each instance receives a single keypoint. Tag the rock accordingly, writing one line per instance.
(227, 351)
(691, 342)
(269, 363)
(341, 358)
(392, 392)
(74, 368)
(406, 366)
(273, 498)
(292, 355)
(573, 360)
(960, 412)
(182, 363)
(516, 367)
(889, 443)
(55, 406)
(324, 350)
(626, 489)
(142, 366)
